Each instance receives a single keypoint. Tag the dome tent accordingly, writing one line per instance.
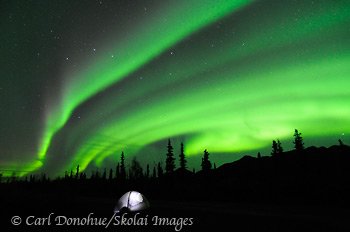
(131, 201)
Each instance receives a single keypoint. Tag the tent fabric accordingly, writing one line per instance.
(132, 201)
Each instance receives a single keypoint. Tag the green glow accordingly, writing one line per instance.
(246, 105)
(240, 124)
(229, 91)
(132, 54)
(23, 167)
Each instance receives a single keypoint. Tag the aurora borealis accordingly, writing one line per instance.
(81, 82)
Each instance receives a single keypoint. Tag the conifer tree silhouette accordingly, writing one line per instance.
(274, 148)
(122, 167)
(136, 171)
(77, 174)
(206, 164)
(110, 177)
(147, 171)
(170, 160)
(43, 178)
(104, 175)
(97, 175)
(117, 172)
(279, 147)
(160, 170)
(298, 141)
(182, 156)
(259, 155)
(154, 174)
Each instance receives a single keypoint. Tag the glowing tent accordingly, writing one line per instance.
(131, 201)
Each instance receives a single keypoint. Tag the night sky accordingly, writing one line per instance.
(82, 81)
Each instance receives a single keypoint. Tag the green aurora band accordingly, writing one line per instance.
(194, 15)
(235, 94)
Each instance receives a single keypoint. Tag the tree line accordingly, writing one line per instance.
(136, 172)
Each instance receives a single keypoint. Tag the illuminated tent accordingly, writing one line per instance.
(131, 201)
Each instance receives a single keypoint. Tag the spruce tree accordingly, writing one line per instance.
(279, 147)
(170, 160)
(122, 167)
(274, 148)
(136, 171)
(117, 172)
(298, 141)
(206, 164)
(160, 170)
(77, 173)
(182, 158)
(110, 177)
(97, 175)
(154, 175)
(147, 171)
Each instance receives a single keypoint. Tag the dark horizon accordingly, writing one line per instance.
(301, 188)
